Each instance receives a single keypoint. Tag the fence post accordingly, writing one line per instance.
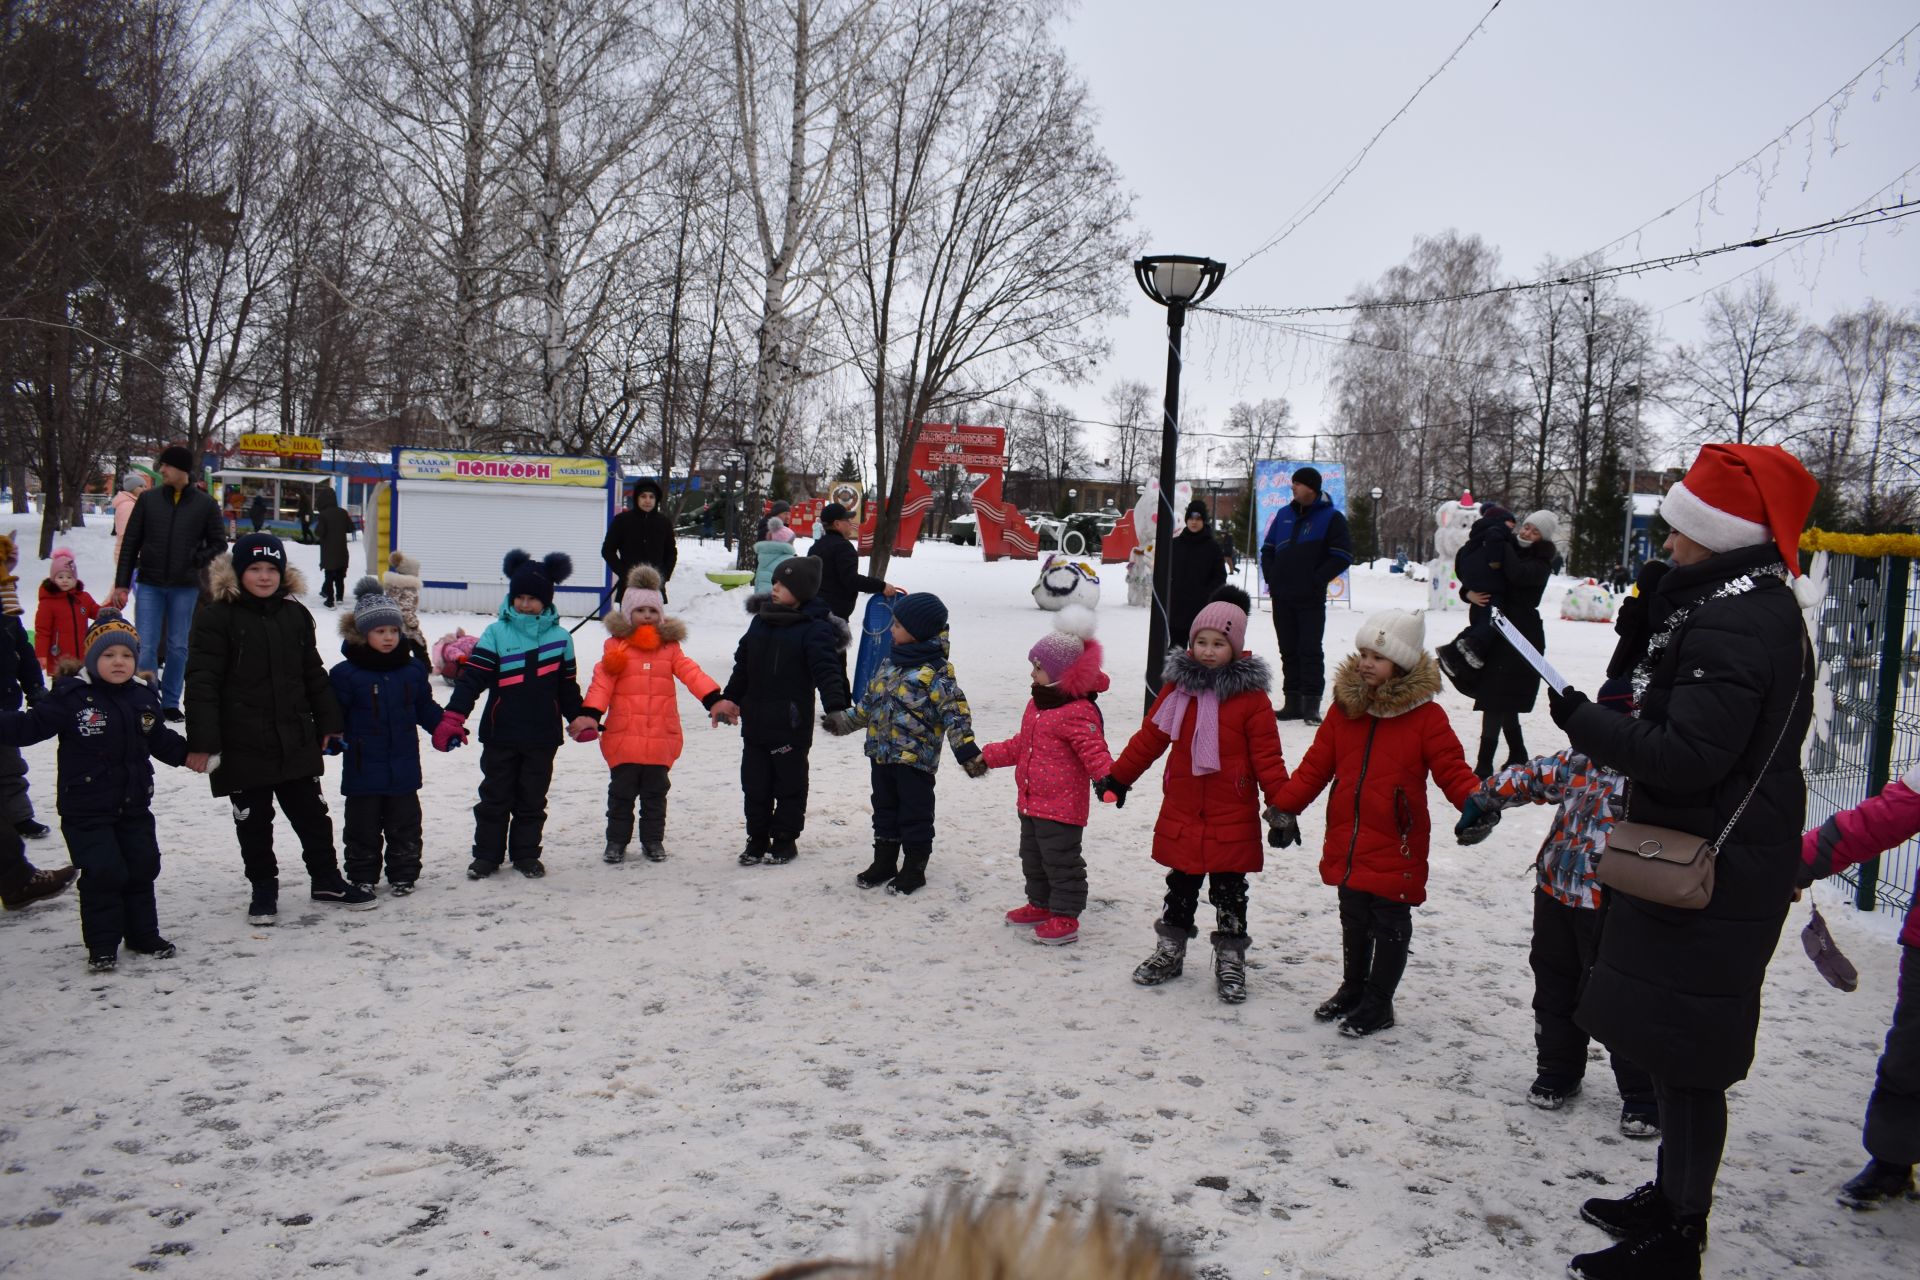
(1880, 759)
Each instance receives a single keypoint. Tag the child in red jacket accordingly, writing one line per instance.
(1214, 712)
(1377, 746)
(1062, 742)
(66, 611)
(1892, 1132)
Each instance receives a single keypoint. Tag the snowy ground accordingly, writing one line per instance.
(695, 1070)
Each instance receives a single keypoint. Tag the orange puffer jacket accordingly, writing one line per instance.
(632, 693)
(1377, 747)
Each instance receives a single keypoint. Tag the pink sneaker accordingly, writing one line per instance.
(1029, 916)
(1057, 931)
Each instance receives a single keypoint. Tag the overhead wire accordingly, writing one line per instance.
(1326, 192)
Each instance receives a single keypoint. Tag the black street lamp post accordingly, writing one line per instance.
(1176, 282)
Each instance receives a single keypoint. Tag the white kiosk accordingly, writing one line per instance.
(459, 514)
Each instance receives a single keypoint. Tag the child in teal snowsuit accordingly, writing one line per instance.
(912, 699)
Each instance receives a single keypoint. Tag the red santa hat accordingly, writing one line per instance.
(1743, 495)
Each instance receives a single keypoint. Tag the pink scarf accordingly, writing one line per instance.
(1205, 747)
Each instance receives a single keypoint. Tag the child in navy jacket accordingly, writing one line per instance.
(386, 697)
(109, 726)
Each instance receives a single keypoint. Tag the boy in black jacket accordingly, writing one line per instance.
(109, 726)
(258, 699)
(841, 581)
(524, 664)
(793, 646)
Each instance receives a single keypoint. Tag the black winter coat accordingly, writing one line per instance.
(1199, 570)
(257, 694)
(20, 673)
(1508, 683)
(1678, 991)
(841, 581)
(332, 527)
(640, 537)
(109, 735)
(170, 539)
(385, 700)
(784, 656)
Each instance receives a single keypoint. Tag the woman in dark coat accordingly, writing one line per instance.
(1199, 570)
(1722, 700)
(332, 526)
(1509, 686)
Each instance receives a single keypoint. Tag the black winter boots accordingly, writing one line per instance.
(1877, 1184)
(1230, 967)
(1670, 1251)
(1375, 1013)
(1356, 961)
(755, 852)
(1169, 956)
(885, 865)
(913, 869)
(1289, 708)
(784, 849)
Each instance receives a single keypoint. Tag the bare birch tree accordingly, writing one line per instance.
(1746, 379)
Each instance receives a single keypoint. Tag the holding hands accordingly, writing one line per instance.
(839, 723)
(1478, 818)
(451, 732)
(1112, 791)
(976, 767)
(723, 712)
(583, 729)
(1283, 829)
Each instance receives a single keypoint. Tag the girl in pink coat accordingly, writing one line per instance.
(1060, 749)
(1892, 1132)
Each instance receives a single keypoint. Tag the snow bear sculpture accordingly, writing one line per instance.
(1066, 580)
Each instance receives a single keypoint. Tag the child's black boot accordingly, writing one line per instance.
(1376, 1005)
(653, 851)
(1169, 955)
(756, 851)
(1356, 960)
(1230, 967)
(1288, 709)
(1670, 1251)
(616, 851)
(783, 849)
(913, 869)
(886, 864)
(1879, 1183)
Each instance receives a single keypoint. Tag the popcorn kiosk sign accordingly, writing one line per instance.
(485, 468)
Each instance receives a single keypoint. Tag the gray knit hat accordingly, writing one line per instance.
(373, 607)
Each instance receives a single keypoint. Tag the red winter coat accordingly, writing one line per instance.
(1377, 747)
(1211, 822)
(632, 693)
(1872, 827)
(60, 624)
(1059, 749)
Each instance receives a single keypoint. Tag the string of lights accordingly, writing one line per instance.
(1327, 190)
(1845, 222)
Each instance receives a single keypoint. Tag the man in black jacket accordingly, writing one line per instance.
(642, 534)
(841, 581)
(175, 530)
(1307, 546)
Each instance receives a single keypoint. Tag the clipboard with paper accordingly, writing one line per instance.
(1524, 647)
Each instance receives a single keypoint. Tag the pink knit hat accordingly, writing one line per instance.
(643, 588)
(777, 530)
(1060, 648)
(1228, 619)
(62, 559)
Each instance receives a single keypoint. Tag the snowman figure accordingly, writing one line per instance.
(1066, 580)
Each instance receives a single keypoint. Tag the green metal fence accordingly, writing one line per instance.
(1866, 636)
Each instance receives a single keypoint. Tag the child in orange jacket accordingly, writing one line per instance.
(1383, 737)
(632, 706)
(66, 611)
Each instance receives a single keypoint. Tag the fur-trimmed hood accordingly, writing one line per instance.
(620, 627)
(760, 604)
(1245, 674)
(1396, 697)
(401, 563)
(223, 584)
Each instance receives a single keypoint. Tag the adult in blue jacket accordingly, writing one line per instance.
(1307, 546)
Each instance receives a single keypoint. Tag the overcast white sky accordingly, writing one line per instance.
(1560, 127)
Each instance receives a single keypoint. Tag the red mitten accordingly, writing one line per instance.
(451, 732)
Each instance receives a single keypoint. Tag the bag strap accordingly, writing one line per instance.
(1759, 777)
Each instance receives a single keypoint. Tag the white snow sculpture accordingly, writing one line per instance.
(1066, 580)
(1587, 601)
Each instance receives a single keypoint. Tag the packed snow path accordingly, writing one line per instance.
(696, 1070)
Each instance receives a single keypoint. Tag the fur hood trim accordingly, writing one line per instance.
(762, 602)
(1085, 676)
(1394, 698)
(620, 627)
(223, 584)
(401, 563)
(1245, 674)
(398, 581)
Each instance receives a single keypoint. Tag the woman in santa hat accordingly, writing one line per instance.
(1722, 701)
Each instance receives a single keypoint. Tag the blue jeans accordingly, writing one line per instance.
(168, 611)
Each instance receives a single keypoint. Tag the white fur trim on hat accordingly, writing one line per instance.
(1712, 528)
(1396, 635)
